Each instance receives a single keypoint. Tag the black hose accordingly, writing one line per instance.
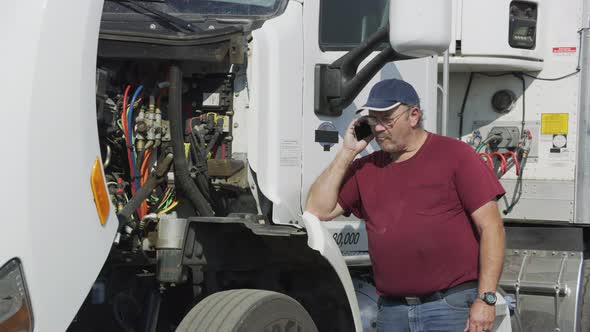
(156, 177)
(196, 134)
(518, 188)
(200, 165)
(182, 178)
(140, 195)
(200, 158)
(200, 162)
(212, 143)
(520, 75)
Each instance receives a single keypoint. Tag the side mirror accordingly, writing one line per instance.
(420, 28)
(417, 28)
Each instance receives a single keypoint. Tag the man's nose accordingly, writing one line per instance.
(379, 127)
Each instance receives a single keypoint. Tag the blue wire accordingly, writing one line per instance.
(130, 134)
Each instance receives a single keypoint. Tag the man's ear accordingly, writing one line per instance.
(415, 115)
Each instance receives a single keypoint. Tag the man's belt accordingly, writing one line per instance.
(435, 296)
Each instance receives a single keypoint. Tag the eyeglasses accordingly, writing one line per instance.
(386, 122)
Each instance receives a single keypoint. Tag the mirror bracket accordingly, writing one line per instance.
(337, 84)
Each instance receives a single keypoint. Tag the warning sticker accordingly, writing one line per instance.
(564, 50)
(554, 123)
(211, 99)
(290, 153)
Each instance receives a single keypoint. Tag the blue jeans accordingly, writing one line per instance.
(446, 315)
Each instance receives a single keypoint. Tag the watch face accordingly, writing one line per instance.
(490, 298)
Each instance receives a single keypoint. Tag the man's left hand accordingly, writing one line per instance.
(481, 317)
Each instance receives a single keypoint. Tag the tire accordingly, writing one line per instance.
(247, 310)
(585, 298)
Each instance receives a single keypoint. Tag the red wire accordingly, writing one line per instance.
(144, 166)
(488, 159)
(503, 163)
(223, 151)
(516, 164)
(125, 110)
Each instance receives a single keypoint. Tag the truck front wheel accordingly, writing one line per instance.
(247, 310)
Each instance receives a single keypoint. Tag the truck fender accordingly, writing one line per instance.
(320, 240)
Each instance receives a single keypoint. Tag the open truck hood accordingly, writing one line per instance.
(173, 28)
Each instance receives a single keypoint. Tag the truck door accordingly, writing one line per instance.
(330, 29)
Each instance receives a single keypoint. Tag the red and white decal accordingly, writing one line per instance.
(564, 50)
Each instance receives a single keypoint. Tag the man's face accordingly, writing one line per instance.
(393, 128)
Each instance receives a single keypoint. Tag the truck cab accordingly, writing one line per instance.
(163, 158)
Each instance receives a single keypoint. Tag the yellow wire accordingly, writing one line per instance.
(173, 205)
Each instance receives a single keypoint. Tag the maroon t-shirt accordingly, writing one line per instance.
(417, 214)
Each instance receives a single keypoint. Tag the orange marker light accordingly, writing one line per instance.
(99, 190)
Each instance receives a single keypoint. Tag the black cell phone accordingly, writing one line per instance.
(362, 129)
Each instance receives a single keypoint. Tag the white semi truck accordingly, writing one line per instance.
(158, 155)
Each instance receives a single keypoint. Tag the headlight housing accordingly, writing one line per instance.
(15, 305)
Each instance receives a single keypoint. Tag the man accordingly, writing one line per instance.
(436, 239)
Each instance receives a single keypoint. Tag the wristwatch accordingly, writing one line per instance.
(488, 297)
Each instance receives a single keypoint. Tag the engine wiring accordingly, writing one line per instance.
(173, 205)
(151, 115)
(139, 173)
(125, 132)
(144, 172)
(135, 171)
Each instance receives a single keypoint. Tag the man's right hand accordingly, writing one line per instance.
(322, 200)
(350, 142)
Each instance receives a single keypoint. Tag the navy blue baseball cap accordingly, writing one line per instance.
(390, 93)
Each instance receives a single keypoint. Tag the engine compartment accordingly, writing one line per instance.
(164, 153)
(172, 118)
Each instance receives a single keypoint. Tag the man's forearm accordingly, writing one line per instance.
(323, 194)
(491, 256)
